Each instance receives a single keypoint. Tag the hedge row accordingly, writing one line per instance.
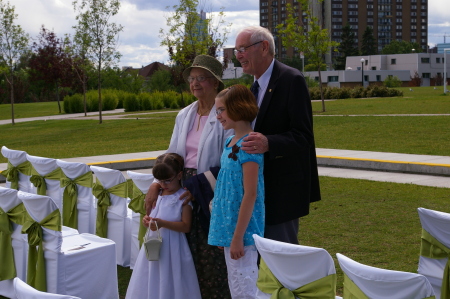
(357, 92)
(113, 99)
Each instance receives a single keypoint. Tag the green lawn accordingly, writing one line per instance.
(24, 110)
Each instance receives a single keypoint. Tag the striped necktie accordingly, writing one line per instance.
(255, 89)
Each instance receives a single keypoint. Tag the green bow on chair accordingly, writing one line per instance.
(16, 214)
(137, 205)
(37, 275)
(430, 247)
(70, 196)
(12, 173)
(322, 288)
(103, 202)
(39, 180)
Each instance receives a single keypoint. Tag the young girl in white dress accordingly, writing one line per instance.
(173, 275)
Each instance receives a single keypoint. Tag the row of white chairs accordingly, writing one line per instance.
(124, 225)
(50, 257)
(309, 272)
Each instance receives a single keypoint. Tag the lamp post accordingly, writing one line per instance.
(362, 72)
(445, 71)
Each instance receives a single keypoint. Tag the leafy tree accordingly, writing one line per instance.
(312, 40)
(368, 46)
(346, 47)
(401, 47)
(127, 80)
(13, 44)
(294, 62)
(161, 81)
(50, 63)
(190, 34)
(392, 81)
(99, 35)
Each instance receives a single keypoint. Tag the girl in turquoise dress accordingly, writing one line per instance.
(238, 204)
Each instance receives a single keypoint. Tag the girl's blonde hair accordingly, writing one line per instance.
(167, 165)
(239, 102)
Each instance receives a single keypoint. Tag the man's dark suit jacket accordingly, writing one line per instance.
(290, 167)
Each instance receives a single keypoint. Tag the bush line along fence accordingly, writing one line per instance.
(113, 99)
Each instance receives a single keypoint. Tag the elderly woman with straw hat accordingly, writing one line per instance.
(199, 138)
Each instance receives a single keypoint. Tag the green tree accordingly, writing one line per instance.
(347, 47)
(13, 44)
(392, 81)
(401, 47)
(190, 34)
(312, 40)
(99, 34)
(161, 80)
(368, 46)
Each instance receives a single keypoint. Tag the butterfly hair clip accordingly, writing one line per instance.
(234, 151)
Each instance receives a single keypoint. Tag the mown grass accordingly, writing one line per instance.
(24, 110)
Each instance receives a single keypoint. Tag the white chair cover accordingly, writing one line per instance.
(87, 271)
(9, 200)
(143, 182)
(285, 260)
(16, 157)
(119, 216)
(437, 224)
(378, 283)
(44, 166)
(86, 204)
(24, 291)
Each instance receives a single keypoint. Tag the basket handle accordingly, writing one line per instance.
(157, 229)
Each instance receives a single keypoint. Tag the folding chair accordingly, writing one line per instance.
(13, 249)
(81, 265)
(362, 281)
(306, 272)
(140, 184)
(78, 200)
(24, 291)
(435, 250)
(45, 178)
(113, 216)
(19, 169)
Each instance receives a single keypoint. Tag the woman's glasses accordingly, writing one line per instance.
(219, 111)
(234, 151)
(199, 78)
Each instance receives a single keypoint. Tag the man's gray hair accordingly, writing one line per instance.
(258, 33)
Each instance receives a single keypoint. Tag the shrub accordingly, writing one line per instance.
(131, 103)
(73, 104)
(145, 101)
(392, 81)
(109, 100)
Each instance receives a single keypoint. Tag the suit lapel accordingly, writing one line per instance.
(268, 95)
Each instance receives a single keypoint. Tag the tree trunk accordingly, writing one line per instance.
(321, 91)
(99, 97)
(12, 98)
(57, 97)
(84, 93)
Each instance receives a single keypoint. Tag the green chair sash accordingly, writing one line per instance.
(70, 196)
(39, 180)
(16, 214)
(103, 202)
(137, 205)
(36, 274)
(12, 173)
(351, 290)
(324, 287)
(430, 247)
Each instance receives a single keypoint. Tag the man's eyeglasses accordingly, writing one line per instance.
(243, 49)
(219, 111)
(167, 182)
(199, 78)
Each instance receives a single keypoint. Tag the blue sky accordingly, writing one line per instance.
(142, 20)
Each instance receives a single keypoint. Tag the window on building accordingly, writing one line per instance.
(374, 68)
(378, 78)
(413, 14)
(413, 20)
(333, 78)
(413, 6)
(425, 60)
(399, 7)
(438, 60)
(316, 79)
(366, 78)
(370, 6)
(423, 14)
(398, 27)
(398, 14)
(264, 3)
(370, 13)
(398, 34)
(353, 6)
(393, 61)
(426, 75)
(366, 62)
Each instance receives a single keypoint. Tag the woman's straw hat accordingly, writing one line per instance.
(208, 63)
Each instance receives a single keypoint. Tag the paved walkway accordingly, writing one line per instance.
(387, 167)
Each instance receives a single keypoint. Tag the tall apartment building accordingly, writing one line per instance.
(390, 19)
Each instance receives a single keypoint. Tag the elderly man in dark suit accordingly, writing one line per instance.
(283, 132)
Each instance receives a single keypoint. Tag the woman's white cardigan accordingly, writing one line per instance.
(211, 142)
